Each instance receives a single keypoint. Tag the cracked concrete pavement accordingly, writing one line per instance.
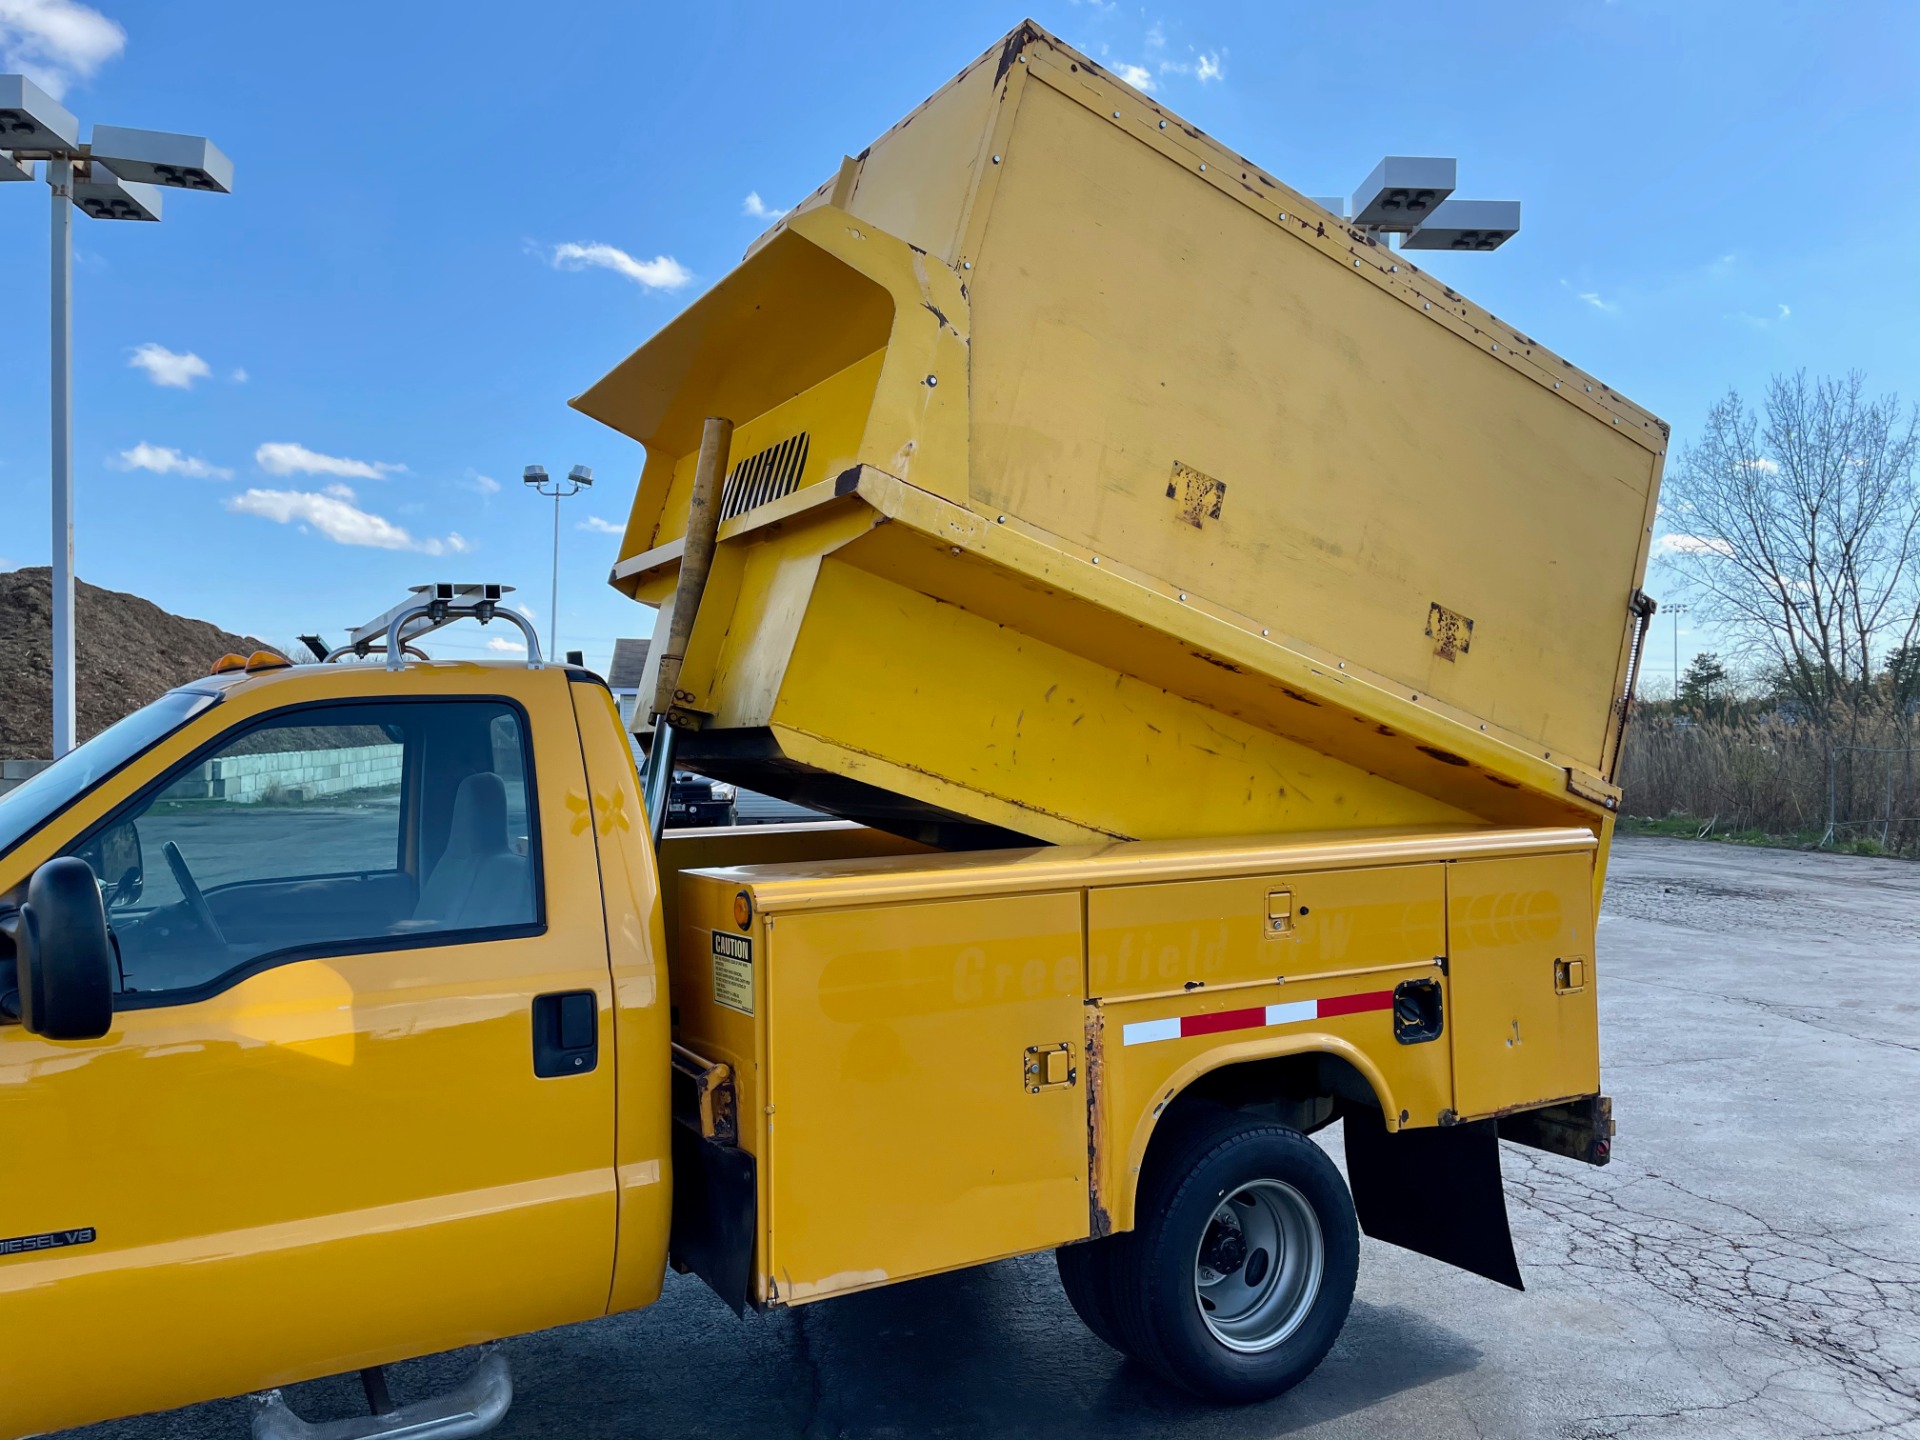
(1748, 1266)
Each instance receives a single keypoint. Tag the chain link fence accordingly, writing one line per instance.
(1852, 785)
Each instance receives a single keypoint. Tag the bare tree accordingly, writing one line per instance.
(1799, 531)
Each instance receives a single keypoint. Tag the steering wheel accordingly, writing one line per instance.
(189, 887)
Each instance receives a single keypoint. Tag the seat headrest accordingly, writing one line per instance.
(479, 825)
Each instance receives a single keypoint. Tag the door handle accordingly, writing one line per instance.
(566, 1033)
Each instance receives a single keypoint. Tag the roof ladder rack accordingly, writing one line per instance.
(429, 608)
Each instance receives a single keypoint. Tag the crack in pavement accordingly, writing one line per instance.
(1772, 1007)
(1839, 1309)
(1615, 1424)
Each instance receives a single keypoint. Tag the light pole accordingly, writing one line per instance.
(579, 478)
(1676, 611)
(113, 177)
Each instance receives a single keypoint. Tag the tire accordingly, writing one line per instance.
(1260, 1209)
(1087, 1275)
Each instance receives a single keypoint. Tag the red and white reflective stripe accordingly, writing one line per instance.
(1259, 1017)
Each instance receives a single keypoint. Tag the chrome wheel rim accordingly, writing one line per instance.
(1258, 1266)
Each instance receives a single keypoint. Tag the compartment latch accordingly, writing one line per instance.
(1050, 1067)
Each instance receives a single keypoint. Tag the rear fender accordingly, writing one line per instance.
(1117, 1185)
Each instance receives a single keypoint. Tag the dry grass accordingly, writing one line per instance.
(1769, 777)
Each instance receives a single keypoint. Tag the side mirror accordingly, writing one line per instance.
(63, 954)
(117, 861)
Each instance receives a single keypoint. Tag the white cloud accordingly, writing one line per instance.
(1156, 36)
(56, 42)
(663, 272)
(485, 484)
(506, 646)
(335, 515)
(238, 376)
(1206, 66)
(164, 366)
(1764, 465)
(1137, 76)
(164, 460)
(1694, 545)
(759, 209)
(1593, 298)
(283, 457)
(602, 527)
(1785, 311)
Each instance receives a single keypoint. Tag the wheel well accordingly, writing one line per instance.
(1306, 1092)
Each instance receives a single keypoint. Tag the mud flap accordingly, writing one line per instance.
(715, 1203)
(1433, 1191)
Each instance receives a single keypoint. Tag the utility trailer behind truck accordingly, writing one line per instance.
(1214, 638)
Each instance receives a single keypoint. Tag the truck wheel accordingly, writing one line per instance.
(1243, 1262)
(1086, 1274)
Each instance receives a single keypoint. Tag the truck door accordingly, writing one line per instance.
(357, 1103)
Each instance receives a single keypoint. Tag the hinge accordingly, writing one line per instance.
(1592, 787)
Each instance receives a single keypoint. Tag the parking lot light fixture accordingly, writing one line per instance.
(155, 157)
(113, 177)
(535, 478)
(31, 119)
(103, 195)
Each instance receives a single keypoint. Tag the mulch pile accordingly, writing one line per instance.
(128, 652)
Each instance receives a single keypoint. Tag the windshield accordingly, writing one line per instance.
(26, 808)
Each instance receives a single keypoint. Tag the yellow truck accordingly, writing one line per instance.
(1208, 639)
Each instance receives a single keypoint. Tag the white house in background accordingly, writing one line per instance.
(623, 677)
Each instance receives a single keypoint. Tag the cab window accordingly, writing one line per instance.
(324, 830)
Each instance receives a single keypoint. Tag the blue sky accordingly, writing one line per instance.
(450, 217)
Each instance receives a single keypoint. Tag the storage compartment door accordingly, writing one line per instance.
(906, 1134)
(1520, 942)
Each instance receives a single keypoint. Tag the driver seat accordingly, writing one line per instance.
(479, 881)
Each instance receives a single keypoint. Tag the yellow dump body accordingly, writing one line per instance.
(1089, 482)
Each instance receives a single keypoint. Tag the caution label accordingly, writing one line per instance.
(733, 971)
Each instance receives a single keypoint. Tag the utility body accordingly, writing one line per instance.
(1209, 639)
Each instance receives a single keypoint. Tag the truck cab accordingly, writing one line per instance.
(382, 942)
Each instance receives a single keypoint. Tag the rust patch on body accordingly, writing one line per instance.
(1196, 496)
(1296, 695)
(1450, 631)
(1010, 52)
(1445, 757)
(1099, 1219)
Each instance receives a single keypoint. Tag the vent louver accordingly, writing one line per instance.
(764, 476)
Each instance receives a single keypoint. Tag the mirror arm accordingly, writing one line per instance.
(11, 921)
(119, 962)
